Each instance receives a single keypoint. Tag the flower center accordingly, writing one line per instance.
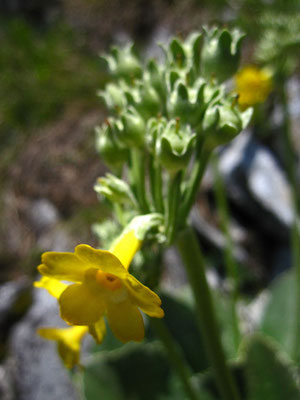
(108, 280)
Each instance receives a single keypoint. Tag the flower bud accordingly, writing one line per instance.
(155, 128)
(220, 53)
(123, 63)
(110, 149)
(188, 104)
(185, 54)
(222, 122)
(144, 99)
(114, 189)
(113, 96)
(175, 145)
(154, 76)
(133, 131)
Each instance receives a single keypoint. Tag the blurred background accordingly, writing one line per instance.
(50, 72)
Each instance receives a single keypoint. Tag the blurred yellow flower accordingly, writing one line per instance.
(68, 342)
(103, 286)
(253, 85)
(68, 339)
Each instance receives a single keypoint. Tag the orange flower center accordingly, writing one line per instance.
(108, 280)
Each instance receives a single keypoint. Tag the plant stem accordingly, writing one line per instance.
(230, 264)
(156, 185)
(295, 234)
(201, 161)
(174, 197)
(190, 252)
(175, 357)
(138, 177)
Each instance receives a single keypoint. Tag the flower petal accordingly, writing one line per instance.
(143, 297)
(125, 321)
(54, 287)
(125, 247)
(81, 306)
(62, 266)
(101, 259)
(98, 330)
(68, 342)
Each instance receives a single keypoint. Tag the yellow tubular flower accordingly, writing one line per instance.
(55, 288)
(103, 286)
(68, 342)
(253, 85)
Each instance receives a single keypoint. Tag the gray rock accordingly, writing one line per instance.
(15, 298)
(214, 237)
(42, 215)
(10, 295)
(39, 374)
(6, 384)
(256, 183)
(56, 239)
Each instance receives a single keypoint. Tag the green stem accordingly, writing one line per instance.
(190, 252)
(295, 234)
(230, 264)
(156, 184)
(138, 179)
(201, 161)
(175, 357)
(174, 197)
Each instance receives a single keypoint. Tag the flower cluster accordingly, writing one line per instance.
(162, 118)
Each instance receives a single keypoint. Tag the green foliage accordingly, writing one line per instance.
(181, 321)
(100, 382)
(39, 73)
(279, 319)
(135, 371)
(269, 375)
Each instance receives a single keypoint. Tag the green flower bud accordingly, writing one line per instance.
(188, 104)
(110, 149)
(177, 54)
(144, 224)
(113, 96)
(150, 101)
(185, 54)
(123, 63)
(114, 189)
(221, 53)
(154, 76)
(221, 123)
(144, 99)
(133, 130)
(175, 146)
(155, 128)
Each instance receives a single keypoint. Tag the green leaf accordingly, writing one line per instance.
(137, 371)
(142, 369)
(100, 382)
(181, 321)
(268, 375)
(176, 391)
(279, 315)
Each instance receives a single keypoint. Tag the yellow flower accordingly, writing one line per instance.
(68, 342)
(102, 286)
(253, 85)
(55, 288)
